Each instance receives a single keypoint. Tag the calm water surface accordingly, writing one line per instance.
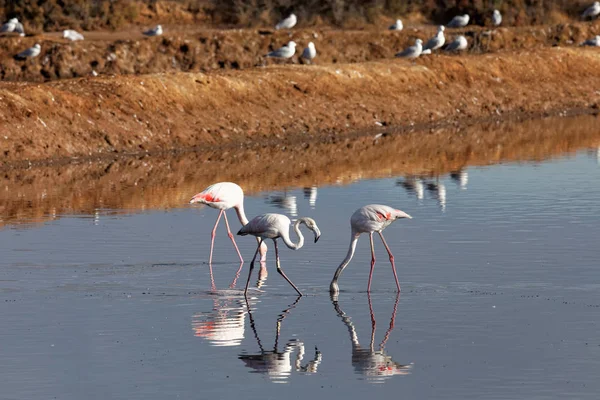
(500, 296)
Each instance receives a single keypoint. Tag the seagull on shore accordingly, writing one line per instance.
(156, 31)
(309, 52)
(437, 41)
(594, 42)
(412, 52)
(396, 26)
(496, 18)
(460, 21)
(458, 44)
(72, 35)
(13, 25)
(287, 23)
(286, 51)
(29, 53)
(592, 11)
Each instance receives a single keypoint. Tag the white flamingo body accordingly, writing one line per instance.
(369, 219)
(224, 196)
(275, 226)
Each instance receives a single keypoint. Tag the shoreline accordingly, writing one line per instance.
(92, 117)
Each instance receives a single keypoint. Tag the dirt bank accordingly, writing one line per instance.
(169, 111)
(41, 194)
(194, 49)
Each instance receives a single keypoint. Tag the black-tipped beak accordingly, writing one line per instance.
(317, 239)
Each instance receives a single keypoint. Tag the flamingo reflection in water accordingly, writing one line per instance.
(276, 364)
(376, 365)
(225, 324)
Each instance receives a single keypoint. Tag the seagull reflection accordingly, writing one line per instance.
(461, 178)
(414, 186)
(438, 192)
(376, 365)
(310, 193)
(285, 202)
(277, 365)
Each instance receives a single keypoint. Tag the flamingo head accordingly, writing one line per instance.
(201, 198)
(312, 225)
(401, 214)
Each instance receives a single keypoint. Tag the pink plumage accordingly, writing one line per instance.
(223, 196)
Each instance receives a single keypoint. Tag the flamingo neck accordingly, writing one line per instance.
(239, 209)
(285, 236)
(333, 287)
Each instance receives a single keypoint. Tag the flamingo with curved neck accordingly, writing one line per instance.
(274, 226)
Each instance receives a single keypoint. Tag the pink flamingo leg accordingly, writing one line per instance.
(281, 271)
(213, 287)
(212, 237)
(237, 275)
(251, 268)
(372, 262)
(231, 237)
(391, 260)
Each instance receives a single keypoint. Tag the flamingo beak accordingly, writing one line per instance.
(402, 214)
(195, 199)
(317, 234)
(317, 238)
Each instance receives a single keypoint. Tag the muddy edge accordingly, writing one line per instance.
(132, 114)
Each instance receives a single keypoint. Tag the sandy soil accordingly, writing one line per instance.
(126, 183)
(193, 48)
(132, 114)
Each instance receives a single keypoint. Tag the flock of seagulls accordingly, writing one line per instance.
(368, 219)
(14, 26)
(287, 51)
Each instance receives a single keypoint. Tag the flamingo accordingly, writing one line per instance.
(369, 219)
(223, 196)
(274, 226)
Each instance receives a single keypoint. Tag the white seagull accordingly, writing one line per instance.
(286, 51)
(460, 21)
(287, 23)
(592, 11)
(13, 25)
(458, 44)
(396, 26)
(72, 35)
(595, 42)
(496, 18)
(156, 31)
(30, 52)
(437, 41)
(310, 52)
(412, 52)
